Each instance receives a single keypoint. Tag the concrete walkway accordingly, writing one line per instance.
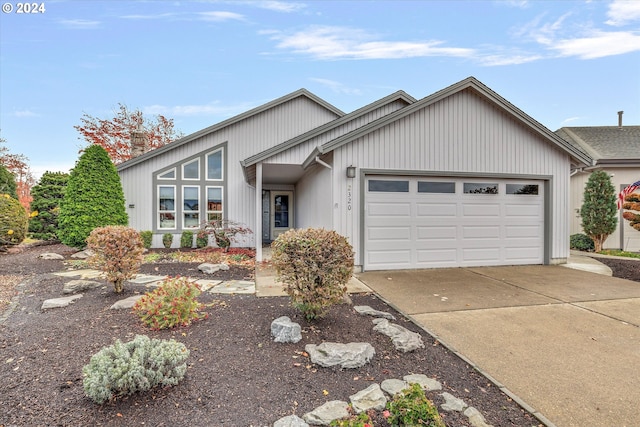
(565, 341)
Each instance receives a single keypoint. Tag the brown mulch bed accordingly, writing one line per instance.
(237, 375)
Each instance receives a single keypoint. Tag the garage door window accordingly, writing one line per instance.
(388, 186)
(527, 189)
(436, 187)
(480, 188)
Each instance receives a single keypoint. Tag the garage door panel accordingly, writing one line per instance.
(481, 210)
(414, 229)
(389, 233)
(491, 232)
(431, 210)
(389, 209)
(436, 233)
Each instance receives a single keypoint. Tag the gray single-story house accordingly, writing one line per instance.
(615, 150)
(459, 178)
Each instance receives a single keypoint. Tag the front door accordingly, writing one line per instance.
(281, 212)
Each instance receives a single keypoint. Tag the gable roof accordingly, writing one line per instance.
(468, 83)
(396, 96)
(235, 119)
(605, 144)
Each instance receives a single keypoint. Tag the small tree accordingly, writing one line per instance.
(315, 265)
(93, 198)
(631, 206)
(45, 206)
(599, 210)
(13, 221)
(117, 252)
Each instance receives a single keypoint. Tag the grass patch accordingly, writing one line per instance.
(617, 252)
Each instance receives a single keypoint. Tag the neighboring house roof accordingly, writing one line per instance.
(607, 145)
(179, 142)
(469, 83)
(396, 96)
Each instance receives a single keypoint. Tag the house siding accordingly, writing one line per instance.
(462, 134)
(244, 138)
(313, 199)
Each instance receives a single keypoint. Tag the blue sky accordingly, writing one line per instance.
(565, 63)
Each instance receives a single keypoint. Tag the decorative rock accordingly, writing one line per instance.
(59, 302)
(126, 303)
(452, 403)
(284, 330)
(365, 309)
(224, 267)
(144, 279)
(475, 417)
(424, 381)
(82, 254)
(290, 421)
(393, 386)
(371, 397)
(75, 286)
(50, 255)
(402, 338)
(323, 415)
(208, 268)
(351, 355)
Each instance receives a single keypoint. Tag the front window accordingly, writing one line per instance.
(167, 207)
(214, 166)
(214, 204)
(191, 207)
(191, 170)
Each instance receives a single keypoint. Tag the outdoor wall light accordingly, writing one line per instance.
(351, 171)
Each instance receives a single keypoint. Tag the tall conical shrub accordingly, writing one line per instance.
(93, 198)
(599, 211)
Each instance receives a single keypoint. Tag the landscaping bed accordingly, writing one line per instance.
(237, 375)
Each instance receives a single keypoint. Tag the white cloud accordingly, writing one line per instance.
(622, 12)
(333, 43)
(211, 109)
(150, 16)
(570, 120)
(79, 24)
(598, 44)
(25, 113)
(281, 6)
(38, 169)
(337, 87)
(220, 16)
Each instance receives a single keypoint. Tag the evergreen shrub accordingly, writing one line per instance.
(147, 238)
(45, 206)
(139, 365)
(13, 221)
(186, 239)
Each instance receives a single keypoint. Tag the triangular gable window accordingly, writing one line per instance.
(170, 174)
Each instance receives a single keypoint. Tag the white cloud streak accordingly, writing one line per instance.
(337, 87)
(79, 24)
(211, 109)
(623, 12)
(334, 43)
(220, 16)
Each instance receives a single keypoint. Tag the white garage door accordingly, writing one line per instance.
(425, 222)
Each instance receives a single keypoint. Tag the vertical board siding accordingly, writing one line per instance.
(245, 138)
(462, 133)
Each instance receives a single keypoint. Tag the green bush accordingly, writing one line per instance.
(147, 238)
(13, 221)
(117, 251)
(202, 239)
(599, 211)
(315, 265)
(581, 242)
(167, 240)
(412, 408)
(139, 365)
(186, 239)
(45, 206)
(360, 420)
(93, 198)
(8, 183)
(173, 303)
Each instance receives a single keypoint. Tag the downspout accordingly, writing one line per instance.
(326, 165)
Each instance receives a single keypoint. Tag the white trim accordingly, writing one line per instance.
(166, 172)
(222, 201)
(186, 211)
(174, 211)
(197, 159)
(206, 161)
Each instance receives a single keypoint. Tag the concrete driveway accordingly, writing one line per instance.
(566, 342)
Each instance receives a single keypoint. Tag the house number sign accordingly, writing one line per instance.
(349, 197)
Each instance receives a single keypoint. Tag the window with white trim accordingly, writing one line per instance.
(191, 170)
(191, 206)
(167, 207)
(214, 204)
(214, 166)
(170, 174)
